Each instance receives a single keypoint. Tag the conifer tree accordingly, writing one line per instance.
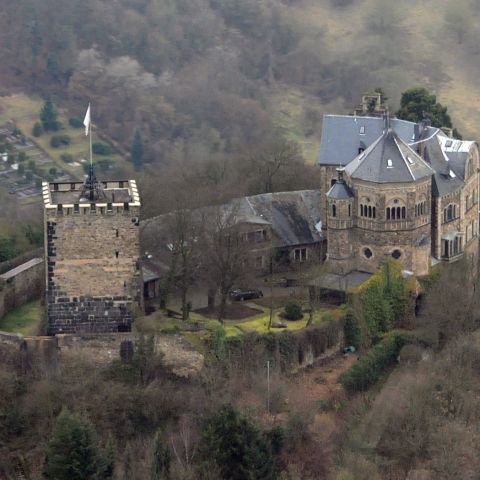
(49, 117)
(137, 151)
(73, 452)
(236, 446)
(161, 458)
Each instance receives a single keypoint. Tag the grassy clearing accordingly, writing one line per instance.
(26, 319)
(24, 111)
(199, 327)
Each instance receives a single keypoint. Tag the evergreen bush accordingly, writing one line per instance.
(293, 311)
(371, 366)
(75, 122)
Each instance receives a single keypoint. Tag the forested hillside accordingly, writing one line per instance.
(210, 83)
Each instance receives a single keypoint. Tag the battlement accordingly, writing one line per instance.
(65, 198)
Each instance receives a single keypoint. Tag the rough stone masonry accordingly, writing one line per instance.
(91, 255)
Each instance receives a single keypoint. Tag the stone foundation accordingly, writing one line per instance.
(89, 314)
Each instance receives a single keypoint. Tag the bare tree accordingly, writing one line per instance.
(268, 163)
(224, 251)
(185, 259)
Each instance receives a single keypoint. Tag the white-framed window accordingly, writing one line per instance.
(300, 255)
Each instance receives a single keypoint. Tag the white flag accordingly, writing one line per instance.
(86, 122)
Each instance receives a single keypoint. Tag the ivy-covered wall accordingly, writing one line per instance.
(287, 351)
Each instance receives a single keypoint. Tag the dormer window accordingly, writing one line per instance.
(362, 130)
(448, 143)
(410, 160)
(389, 163)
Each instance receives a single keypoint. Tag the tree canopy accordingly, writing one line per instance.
(73, 452)
(418, 103)
(236, 446)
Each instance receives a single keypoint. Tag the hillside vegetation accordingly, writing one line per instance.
(211, 84)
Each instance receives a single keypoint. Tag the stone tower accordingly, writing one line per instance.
(340, 203)
(91, 254)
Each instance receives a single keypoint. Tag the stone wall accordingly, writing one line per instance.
(21, 285)
(100, 349)
(92, 275)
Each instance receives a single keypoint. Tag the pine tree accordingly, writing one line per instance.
(49, 117)
(236, 446)
(137, 151)
(73, 452)
(161, 458)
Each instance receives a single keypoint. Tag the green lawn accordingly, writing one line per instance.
(159, 323)
(25, 320)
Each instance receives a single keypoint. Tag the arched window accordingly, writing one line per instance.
(394, 211)
(334, 210)
(374, 212)
(450, 213)
(349, 210)
(369, 211)
(416, 210)
(361, 210)
(388, 213)
(404, 212)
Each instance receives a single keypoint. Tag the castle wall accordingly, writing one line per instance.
(92, 270)
(21, 285)
(410, 236)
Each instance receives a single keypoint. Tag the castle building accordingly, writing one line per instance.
(91, 254)
(393, 188)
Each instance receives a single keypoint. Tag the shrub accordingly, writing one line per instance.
(293, 311)
(37, 129)
(370, 367)
(75, 122)
(59, 140)
(353, 334)
(66, 157)
(101, 148)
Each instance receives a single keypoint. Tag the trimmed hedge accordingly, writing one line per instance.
(288, 350)
(371, 366)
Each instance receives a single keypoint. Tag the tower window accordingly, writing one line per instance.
(116, 254)
(349, 210)
(334, 210)
(116, 232)
(367, 253)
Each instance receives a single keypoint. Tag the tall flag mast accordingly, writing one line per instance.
(88, 130)
(91, 187)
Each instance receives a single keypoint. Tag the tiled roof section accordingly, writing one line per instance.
(388, 160)
(343, 135)
(448, 175)
(293, 216)
(340, 191)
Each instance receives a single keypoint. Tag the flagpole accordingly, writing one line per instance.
(90, 130)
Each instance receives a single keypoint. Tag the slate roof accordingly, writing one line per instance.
(388, 160)
(294, 218)
(342, 137)
(340, 191)
(448, 175)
